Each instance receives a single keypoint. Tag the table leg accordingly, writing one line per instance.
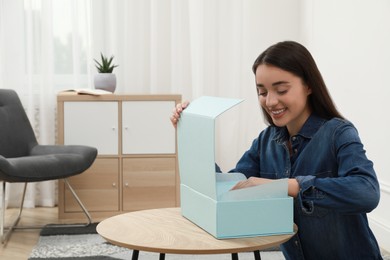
(257, 255)
(162, 256)
(234, 256)
(135, 255)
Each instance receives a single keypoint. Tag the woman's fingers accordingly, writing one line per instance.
(250, 182)
(177, 112)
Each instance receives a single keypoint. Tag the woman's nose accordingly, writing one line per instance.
(271, 100)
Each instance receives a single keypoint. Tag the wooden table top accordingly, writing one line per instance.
(167, 231)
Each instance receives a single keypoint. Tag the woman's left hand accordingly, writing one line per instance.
(293, 185)
(252, 181)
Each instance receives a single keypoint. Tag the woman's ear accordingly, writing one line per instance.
(308, 90)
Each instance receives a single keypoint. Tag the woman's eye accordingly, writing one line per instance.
(261, 92)
(282, 92)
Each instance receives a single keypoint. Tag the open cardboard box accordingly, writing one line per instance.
(206, 198)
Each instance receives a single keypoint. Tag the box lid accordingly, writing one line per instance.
(196, 142)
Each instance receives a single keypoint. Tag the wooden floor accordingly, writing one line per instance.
(22, 242)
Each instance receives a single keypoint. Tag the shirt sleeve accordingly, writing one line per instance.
(355, 189)
(249, 162)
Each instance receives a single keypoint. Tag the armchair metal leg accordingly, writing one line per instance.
(5, 232)
(86, 213)
(80, 203)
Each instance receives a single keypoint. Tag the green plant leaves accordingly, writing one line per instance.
(105, 65)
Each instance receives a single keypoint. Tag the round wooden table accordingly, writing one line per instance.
(167, 231)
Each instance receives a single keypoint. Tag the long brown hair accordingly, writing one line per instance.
(296, 59)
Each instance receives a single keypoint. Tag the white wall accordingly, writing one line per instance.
(350, 41)
(263, 23)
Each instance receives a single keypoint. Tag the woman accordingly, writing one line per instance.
(333, 183)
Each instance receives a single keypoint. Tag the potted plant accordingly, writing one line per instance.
(105, 79)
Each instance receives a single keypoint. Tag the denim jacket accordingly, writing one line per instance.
(338, 186)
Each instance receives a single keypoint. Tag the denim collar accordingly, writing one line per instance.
(308, 130)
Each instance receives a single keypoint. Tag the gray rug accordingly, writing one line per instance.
(84, 243)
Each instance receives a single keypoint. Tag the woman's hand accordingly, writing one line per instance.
(293, 185)
(252, 181)
(177, 111)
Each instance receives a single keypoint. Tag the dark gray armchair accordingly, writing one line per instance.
(22, 159)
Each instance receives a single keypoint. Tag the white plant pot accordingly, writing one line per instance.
(105, 81)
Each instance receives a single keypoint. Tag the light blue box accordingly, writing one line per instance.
(206, 199)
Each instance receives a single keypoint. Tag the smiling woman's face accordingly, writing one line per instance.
(283, 96)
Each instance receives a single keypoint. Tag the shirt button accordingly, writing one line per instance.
(295, 150)
(296, 243)
(294, 138)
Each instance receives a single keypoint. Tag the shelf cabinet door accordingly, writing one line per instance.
(149, 183)
(97, 188)
(92, 123)
(147, 128)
